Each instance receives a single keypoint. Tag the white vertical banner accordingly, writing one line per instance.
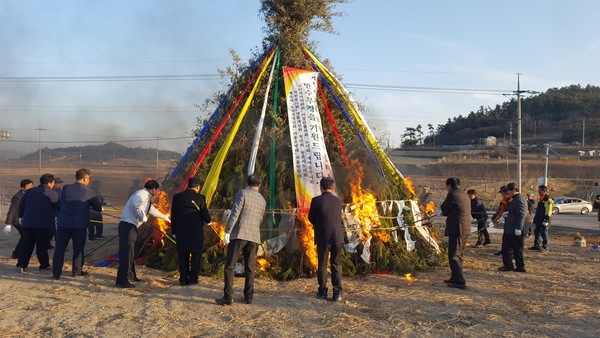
(309, 153)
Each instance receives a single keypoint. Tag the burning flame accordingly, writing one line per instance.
(263, 264)
(409, 279)
(219, 229)
(409, 185)
(364, 203)
(161, 202)
(307, 237)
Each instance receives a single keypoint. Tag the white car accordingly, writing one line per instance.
(563, 205)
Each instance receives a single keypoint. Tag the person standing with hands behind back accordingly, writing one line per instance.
(325, 214)
(515, 230)
(243, 230)
(457, 209)
(188, 215)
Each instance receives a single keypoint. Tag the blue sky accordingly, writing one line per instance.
(400, 45)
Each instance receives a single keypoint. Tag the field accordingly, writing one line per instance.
(559, 296)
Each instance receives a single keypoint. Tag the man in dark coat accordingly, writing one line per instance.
(325, 214)
(188, 215)
(457, 209)
(12, 216)
(37, 211)
(73, 222)
(479, 213)
(515, 230)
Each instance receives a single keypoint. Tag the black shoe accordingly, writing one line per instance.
(82, 273)
(336, 297)
(47, 267)
(124, 285)
(449, 281)
(100, 237)
(193, 281)
(20, 269)
(184, 282)
(135, 279)
(505, 268)
(92, 238)
(521, 269)
(498, 253)
(537, 248)
(487, 243)
(223, 301)
(248, 300)
(56, 277)
(322, 296)
(457, 286)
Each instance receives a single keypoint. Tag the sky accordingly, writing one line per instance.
(81, 72)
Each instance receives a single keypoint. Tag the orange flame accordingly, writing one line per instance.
(263, 264)
(364, 202)
(161, 203)
(409, 185)
(409, 279)
(307, 237)
(219, 229)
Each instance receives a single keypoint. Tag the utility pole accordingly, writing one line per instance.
(157, 155)
(40, 147)
(583, 136)
(519, 93)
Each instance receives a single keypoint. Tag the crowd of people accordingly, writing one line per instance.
(519, 217)
(71, 213)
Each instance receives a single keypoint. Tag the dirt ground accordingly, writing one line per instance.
(559, 296)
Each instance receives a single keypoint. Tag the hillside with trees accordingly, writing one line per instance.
(558, 114)
(101, 153)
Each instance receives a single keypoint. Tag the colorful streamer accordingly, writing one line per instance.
(215, 170)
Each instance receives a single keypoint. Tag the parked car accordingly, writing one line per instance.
(563, 205)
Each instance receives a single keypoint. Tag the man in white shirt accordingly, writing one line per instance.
(134, 214)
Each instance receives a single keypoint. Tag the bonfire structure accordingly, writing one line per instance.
(287, 118)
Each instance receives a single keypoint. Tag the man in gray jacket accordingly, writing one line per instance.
(515, 230)
(243, 231)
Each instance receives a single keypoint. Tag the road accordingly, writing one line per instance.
(588, 222)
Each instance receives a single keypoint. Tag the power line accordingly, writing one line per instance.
(109, 78)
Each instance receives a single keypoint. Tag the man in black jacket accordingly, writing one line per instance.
(457, 209)
(188, 215)
(12, 217)
(479, 213)
(325, 214)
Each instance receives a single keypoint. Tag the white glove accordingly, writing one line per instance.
(226, 239)
(20, 221)
(145, 219)
(505, 214)
(174, 236)
(517, 232)
(7, 229)
(545, 224)
(168, 219)
(439, 213)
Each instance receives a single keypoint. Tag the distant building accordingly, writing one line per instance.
(490, 141)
